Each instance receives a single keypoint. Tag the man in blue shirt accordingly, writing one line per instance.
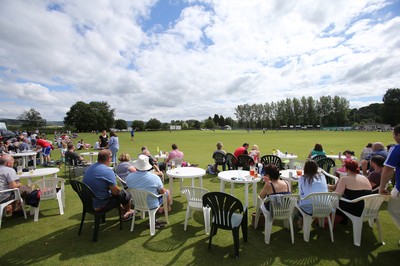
(145, 180)
(391, 164)
(102, 182)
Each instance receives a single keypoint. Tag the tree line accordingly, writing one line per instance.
(326, 111)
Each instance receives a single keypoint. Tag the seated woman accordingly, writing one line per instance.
(351, 187)
(273, 184)
(124, 168)
(221, 151)
(318, 150)
(310, 182)
(347, 157)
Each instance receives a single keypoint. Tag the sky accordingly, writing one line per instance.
(188, 59)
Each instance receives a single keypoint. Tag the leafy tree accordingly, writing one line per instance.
(209, 123)
(138, 125)
(153, 124)
(391, 106)
(31, 119)
(192, 123)
(88, 117)
(121, 124)
(216, 119)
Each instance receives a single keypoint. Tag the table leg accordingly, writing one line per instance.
(171, 188)
(254, 184)
(232, 189)
(246, 195)
(24, 162)
(291, 162)
(201, 181)
(222, 186)
(34, 161)
(181, 183)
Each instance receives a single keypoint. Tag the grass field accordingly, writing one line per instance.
(53, 240)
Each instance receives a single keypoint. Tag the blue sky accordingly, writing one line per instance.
(176, 59)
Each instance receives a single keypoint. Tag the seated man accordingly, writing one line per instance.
(9, 179)
(374, 177)
(72, 157)
(241, 150)
(145, 180)
(175, 154)
(153, 162)
(102, 182)
(377, 149)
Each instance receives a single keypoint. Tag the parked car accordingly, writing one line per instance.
(6, 135)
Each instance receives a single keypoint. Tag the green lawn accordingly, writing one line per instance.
(53, 240)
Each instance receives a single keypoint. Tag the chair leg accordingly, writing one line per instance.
(307, 220)
(83, 218)
(186, 218)
(152, 218)
(96, 227)
(235, 233)
(133, 222)
(244, 228)
(60, 203)
(330, 223)
(256, 218)
(378, 225)
(267, 231)
(213, 232)
(206, 214)
(357, 230)
(291, 229)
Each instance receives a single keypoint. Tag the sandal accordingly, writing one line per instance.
(161, 222)
(128, 216)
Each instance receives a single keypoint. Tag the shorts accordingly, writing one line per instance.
(121, 198)
(46, 151)
(160, 199)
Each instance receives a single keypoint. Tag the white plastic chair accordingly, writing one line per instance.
(50, 188)
(324, 204)
(281, 208)
(139, 199)
(17, 196)
(372, 204)
(194, 196)
(121, 182)
(328, 176)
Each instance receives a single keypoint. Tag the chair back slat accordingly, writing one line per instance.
(140, 197)
(223, 207)
(49, 187)
(267, 159)
(194, 196)
(231, 161)
(245, 161)
(219, 158)
(282, 206)
(326, 163)
(372, 204)
(85, 194)
(323, 203)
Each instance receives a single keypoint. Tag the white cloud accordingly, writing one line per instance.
(215, 56)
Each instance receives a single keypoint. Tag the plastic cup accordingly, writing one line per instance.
(19, 170)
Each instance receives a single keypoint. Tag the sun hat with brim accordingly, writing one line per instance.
(142, 163)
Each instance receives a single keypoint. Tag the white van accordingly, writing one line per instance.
(3, 126)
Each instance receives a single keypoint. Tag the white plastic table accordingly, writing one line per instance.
(91, 154)
(24, 156)
(240, 177)
(289, 157)
(42, 172)
(185, 172)
(290, 175)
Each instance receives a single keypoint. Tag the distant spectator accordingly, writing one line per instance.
(367, 150)
(174, 154)
(377, 149)
(318, 150)
(113, 145)
(219, 150)
(46, 149)
(241, 150)
(103, 140)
